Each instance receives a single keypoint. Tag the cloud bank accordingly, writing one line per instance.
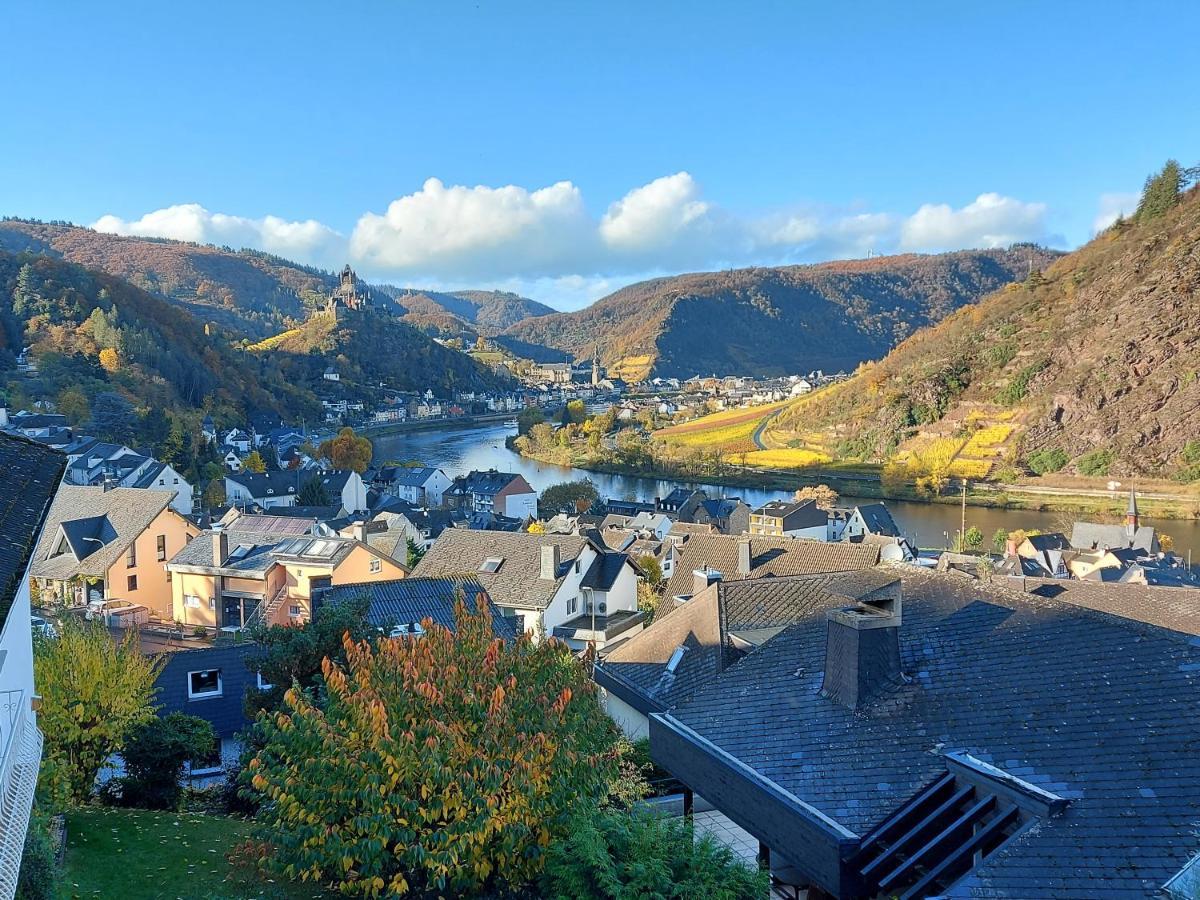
(455, 235)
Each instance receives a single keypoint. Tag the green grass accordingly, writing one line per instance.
(140, 855)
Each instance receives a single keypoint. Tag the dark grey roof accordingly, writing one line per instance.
(1093, 536)
(270, 484)
(517, 583)
(31, 474)
(86, 536)
(1101, 711)
(1176, 608)
(411, 600)
(411, 476)
(795, 513)
(721, 507)
(878, 520)
(489, 483)
(1052, 541)
(602, 574)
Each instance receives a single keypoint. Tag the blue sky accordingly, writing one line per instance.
(577, 147)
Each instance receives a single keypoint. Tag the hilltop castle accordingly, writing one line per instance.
(348, 295)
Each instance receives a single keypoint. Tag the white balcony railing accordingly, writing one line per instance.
(18, 780)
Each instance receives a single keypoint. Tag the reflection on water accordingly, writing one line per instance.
(928, 524)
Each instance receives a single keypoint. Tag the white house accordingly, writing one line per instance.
(93, 462)
(31, 476)
(802, 386)
(560, 585)
(503, 493)
(267, 489)
(238, 440)
(790, 518)
(871, 518)
(232, 461)
(418, 485)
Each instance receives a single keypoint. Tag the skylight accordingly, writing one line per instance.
(676, 658)
(492, 565)
(240, 551)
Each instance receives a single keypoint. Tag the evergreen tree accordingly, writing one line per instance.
(313, 493)
(1160, 193)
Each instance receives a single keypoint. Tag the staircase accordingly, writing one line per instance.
(265, 611)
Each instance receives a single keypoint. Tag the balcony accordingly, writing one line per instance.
(20, 755)
(599, 629)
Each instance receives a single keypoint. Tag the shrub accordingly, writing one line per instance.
(1014, 392)
(1043, 462)
(1096, 463)
(38, 879)
(614, 855)
(155, 754)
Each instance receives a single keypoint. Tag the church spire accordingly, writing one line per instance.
(1131, 512)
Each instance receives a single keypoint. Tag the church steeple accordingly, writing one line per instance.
(1131, 512)
(596, 366)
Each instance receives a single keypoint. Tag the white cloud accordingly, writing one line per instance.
(480, 231)
(990, 220)
(309, 241)
(546, 244)
(1111, 207)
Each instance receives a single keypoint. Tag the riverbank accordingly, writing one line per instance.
(861, 481)
(456, 422)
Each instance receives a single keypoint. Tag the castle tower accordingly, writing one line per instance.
(347, 295)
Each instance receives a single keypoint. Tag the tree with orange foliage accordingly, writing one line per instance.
(110, 360)
(445, 763)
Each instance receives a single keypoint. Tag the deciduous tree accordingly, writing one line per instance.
(254, 462)
(447, 763)
(347, 451)
(94, 691)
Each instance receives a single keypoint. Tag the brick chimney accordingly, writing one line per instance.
(550, 562)
(1010, 547)
(743, 557)
(862, 651)
(220, 545)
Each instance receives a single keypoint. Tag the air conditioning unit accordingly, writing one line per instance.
(599, 607)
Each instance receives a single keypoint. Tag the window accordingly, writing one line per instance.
(168, 571)
(132, 582)
(191, 601)
(204, 683)
(294, 611)
(376, 566)
(131, 556)
(161, 546)
(576, 566)
(572, 606)
(676, 658)
(262, 685)
(492, 565)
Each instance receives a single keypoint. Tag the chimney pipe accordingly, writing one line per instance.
(550, 561)
(862, 651)
(220, 546)
(743, 557)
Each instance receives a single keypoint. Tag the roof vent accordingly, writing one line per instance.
(703, 579)
(862, 651)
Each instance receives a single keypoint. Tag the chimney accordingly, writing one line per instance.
(658, 504)
(220, 545)
(743, 557)
(550, 560)
(1010, 547)
(862, 651)
(360, 531)
(704, 578)
(3, 416)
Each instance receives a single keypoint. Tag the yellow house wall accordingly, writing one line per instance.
(354, 569)
(154, 589)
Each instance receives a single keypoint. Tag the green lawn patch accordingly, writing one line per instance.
(141, 855)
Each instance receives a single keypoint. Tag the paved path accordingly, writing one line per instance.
(757, 436)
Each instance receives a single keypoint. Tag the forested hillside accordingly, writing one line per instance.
(771, 321)
(1091, 367)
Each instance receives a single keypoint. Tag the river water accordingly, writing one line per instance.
(930, 525)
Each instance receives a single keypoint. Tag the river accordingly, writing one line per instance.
(930, 525)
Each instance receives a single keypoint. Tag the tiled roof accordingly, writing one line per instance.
(461, 551)
(1166, 607)
(31, 474)
(1087, 706)
(769, 555)
(129, 511)
(409, 600)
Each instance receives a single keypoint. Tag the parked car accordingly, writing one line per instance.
(43, 627)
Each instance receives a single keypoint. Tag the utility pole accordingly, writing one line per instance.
(962, 539)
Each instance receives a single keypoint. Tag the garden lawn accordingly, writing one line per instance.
(135, 854)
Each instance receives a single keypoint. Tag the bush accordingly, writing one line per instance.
(613, 855)
(1043, 462)
(1096, 463)
(155, 754)
(39, 868)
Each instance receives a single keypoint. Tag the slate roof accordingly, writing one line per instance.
(797, 514)
(411, 476)
(1094, 536)
(1097, 709)
(128, 511)
(269, 484)
(31, 475)
(768, 555)
(409, 600)
(721, 507)
(603, 572)
(488, 483)
(878, 520)
(1167, 607)
(460, 551)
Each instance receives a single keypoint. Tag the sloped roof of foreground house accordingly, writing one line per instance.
(1086, 721)
(409, 600)
(99, 526)
(31, 474)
